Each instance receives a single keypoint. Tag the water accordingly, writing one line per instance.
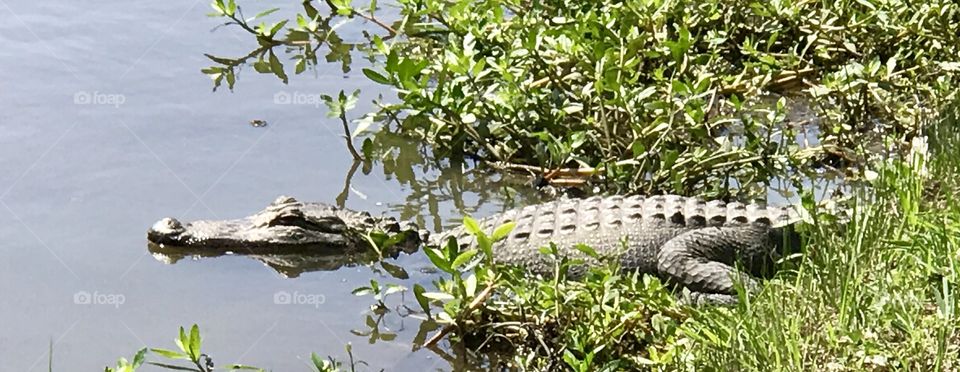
(107, 125)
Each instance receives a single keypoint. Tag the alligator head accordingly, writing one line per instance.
(316, 232)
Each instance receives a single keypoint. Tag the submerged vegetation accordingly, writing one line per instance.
(706, 97)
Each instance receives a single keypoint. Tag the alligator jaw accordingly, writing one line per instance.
(289, 236)
(243, 234)
(284, 223)
(165, 231)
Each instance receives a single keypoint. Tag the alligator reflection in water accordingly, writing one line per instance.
(437, 184)
(289, 264)
(290, 236)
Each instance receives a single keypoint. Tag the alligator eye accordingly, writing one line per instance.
(283, 199)
(168, 224)
(286, 219)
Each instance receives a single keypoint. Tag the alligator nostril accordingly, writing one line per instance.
(167, 225)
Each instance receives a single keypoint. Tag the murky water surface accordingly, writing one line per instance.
(107, 125)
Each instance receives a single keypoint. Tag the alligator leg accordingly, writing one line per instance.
(704, 260)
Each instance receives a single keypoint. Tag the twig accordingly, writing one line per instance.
(342, 198)
(346, 136)
(477, 301)
(568, 172)
(370, 17)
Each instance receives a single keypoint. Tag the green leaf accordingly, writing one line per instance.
(217, 6)
(183, 342)
(395, 270)
(424, 302)
(277, 26)
(173, 367)
(221, 60)
(376, 76)
(170, 354)
(362, 291)
(277, 67)
(367, 148)
(349, 102)
(486, 245)
(587, 250)
(503, 230)
(262, 67)
(139, 357)
(471, 226)
(440, 296)
(437, 259)
(464, 257)
(301, 21)
(262, 14)
(317, 362)
(393, 62)
(195, 342)
(301, 66)
(388, 336)
(470, 285)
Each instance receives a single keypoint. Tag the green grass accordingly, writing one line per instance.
(875, 293)
(873, 289)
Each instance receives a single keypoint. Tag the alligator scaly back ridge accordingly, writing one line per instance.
(635, 230)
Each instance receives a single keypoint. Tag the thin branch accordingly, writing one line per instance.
(346, 136)
(370, 17)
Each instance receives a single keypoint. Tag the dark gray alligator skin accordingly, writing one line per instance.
(687, 241)
(701, 245)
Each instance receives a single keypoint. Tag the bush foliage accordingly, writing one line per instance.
(654, 95)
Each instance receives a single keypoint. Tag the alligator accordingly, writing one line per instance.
(290, 236)
(708, 247)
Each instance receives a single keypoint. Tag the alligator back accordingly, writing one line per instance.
(630, 227)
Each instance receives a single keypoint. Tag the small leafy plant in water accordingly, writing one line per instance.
(188, 345)
(189, 351)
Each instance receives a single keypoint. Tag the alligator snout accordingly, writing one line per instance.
(165, 228)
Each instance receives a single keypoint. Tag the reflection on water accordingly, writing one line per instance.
(430, 183)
